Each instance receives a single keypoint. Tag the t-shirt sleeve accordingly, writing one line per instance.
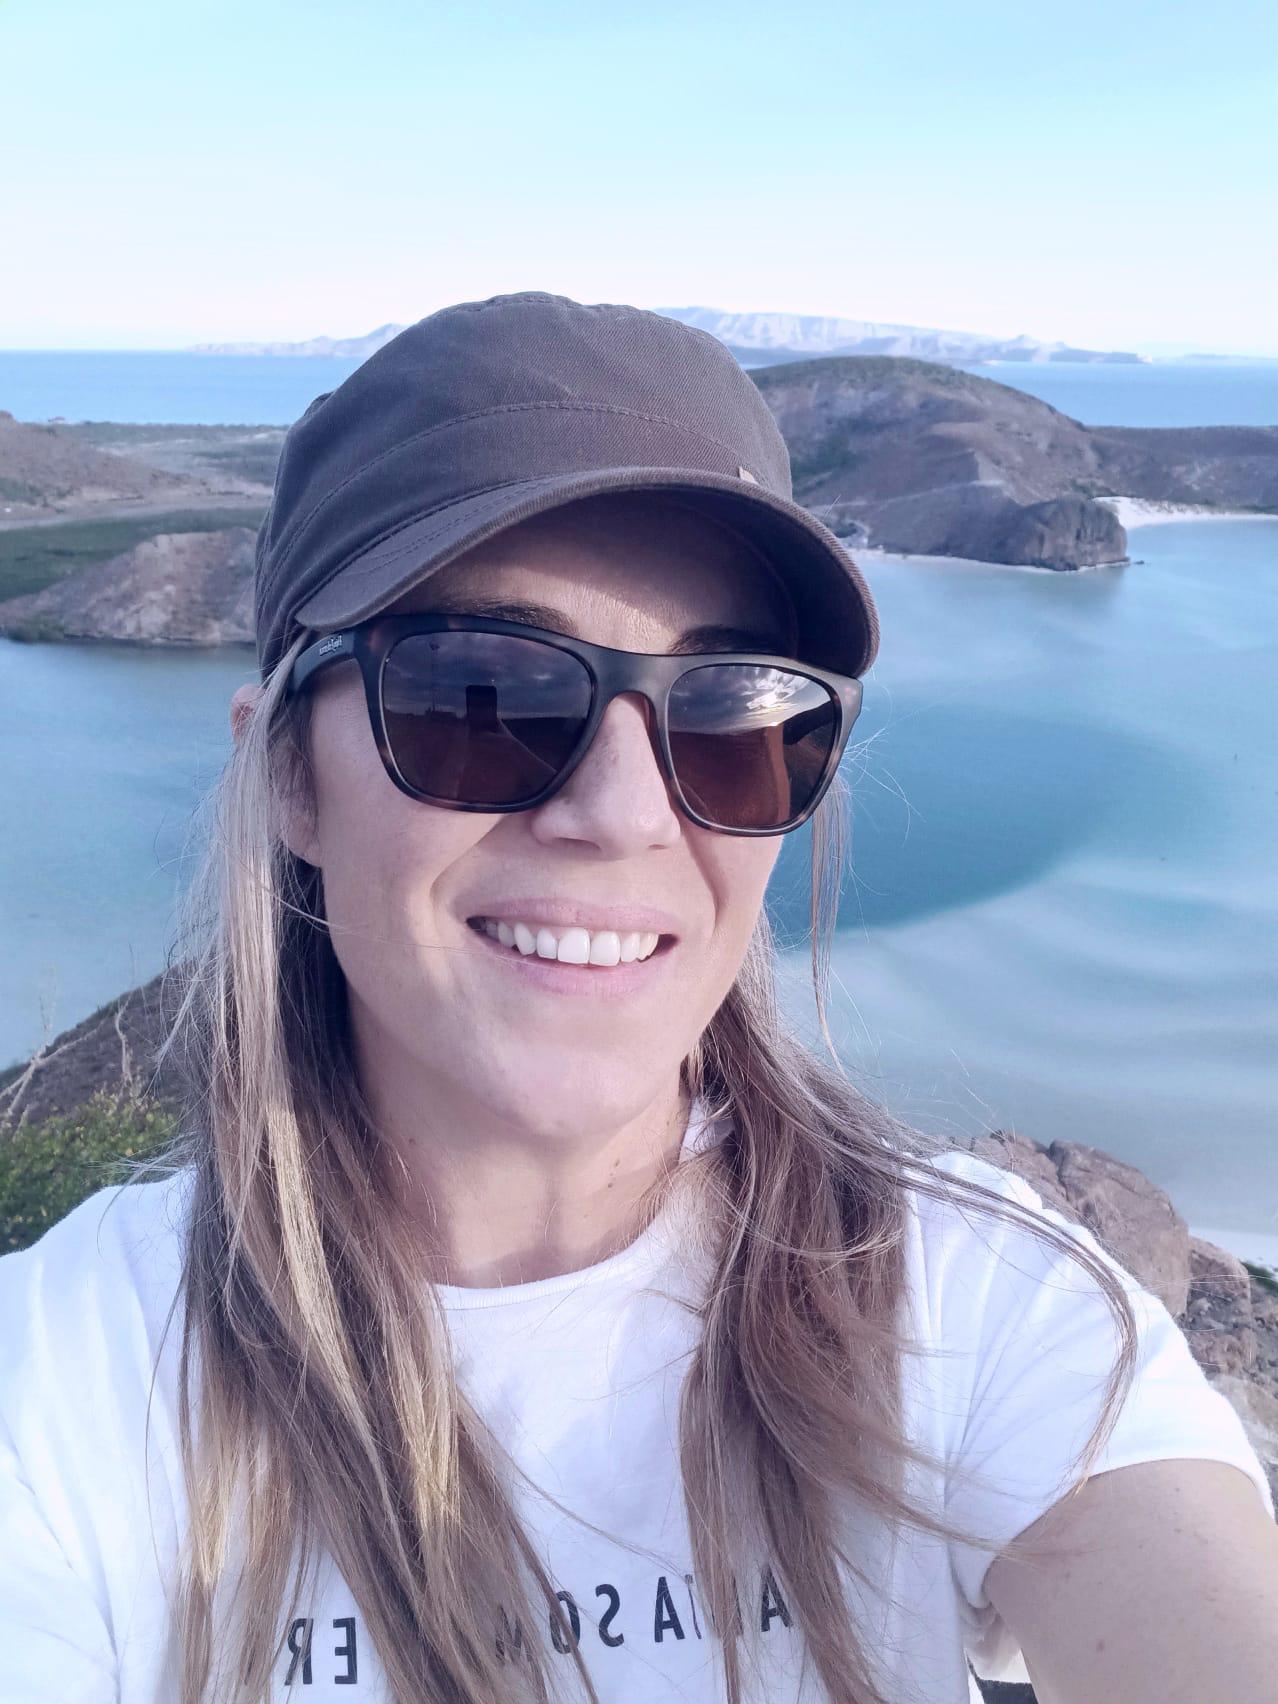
(1038, 1344)
(55, 1646)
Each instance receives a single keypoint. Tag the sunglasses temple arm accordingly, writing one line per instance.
(330, 649)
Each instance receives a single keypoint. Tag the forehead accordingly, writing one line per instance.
(650, 560)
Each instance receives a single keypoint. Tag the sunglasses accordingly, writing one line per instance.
(473, 713)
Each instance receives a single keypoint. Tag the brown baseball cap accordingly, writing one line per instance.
(485, 413)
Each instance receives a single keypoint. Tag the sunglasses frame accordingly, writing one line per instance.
(610, 671)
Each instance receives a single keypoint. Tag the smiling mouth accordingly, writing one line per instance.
(591, 948)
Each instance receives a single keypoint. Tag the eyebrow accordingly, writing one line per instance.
(709, 637)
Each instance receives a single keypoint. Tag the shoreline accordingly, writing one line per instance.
(872, 551)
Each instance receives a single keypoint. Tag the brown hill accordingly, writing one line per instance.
(46, 470)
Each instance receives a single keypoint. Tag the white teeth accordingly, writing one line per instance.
(605, 948)
(574, 945)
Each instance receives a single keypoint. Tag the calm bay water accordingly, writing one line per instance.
(1060, 913)
(1164, 393)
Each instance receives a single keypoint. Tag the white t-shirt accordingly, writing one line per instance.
(579, 1376)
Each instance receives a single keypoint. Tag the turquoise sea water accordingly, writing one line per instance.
(1060, 913)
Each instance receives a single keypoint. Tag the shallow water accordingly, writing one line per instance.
(1061, 912)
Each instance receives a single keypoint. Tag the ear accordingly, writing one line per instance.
(244, 701)
(296, 831)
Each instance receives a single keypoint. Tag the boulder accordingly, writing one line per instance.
(1130, 1216)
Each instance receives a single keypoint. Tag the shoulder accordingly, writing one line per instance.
(1015, 1305)
(90, 1298)
(978, 1230)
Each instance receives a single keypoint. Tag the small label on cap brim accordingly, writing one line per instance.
(746, 474)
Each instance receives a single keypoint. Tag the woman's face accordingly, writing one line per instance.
(441, 1009)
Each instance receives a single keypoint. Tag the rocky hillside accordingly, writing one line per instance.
(925, 459)
(191, 588)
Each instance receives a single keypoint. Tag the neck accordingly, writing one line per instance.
(501, 1202)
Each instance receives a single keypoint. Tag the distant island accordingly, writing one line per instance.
(145, 533)
(758, 340)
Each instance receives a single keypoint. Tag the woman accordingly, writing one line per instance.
(552, 1323)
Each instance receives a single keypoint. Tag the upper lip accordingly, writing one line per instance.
(573, 913)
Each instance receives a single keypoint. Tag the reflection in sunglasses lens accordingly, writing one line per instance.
(750, 741)
(482, 718)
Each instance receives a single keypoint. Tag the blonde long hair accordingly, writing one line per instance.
(318, 1404)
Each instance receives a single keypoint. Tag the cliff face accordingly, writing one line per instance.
(923, 459)
(176, 589)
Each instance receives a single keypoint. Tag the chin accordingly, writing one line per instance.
(561, 1094)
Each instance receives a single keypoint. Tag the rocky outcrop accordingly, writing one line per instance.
(193, 588)
(925, 459)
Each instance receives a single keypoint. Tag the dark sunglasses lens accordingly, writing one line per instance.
(750, 743)
(482, 718)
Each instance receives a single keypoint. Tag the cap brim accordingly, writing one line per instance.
(838, 622)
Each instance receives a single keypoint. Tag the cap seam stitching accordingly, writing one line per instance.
(479, 414)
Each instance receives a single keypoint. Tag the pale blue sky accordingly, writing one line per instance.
(1102, 173)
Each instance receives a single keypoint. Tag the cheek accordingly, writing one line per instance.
(740, 870)
(381, 852)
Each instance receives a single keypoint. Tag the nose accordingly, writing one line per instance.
(617, 798)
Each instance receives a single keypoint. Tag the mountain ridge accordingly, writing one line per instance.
(756, 339)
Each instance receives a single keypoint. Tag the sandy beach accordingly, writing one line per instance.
(1143, 512)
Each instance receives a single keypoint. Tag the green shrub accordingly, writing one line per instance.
(46, 1169)
(1263, 1276)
